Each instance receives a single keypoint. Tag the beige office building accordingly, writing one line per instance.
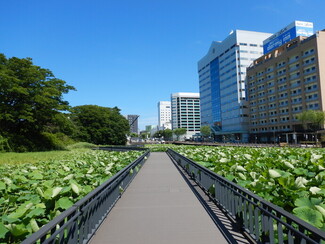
(282, 84)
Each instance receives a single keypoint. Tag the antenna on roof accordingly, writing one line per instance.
(232, 31)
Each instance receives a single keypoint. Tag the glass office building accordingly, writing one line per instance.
(222, 74)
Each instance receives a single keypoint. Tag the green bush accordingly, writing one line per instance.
(57, 141)
(4, 144)
(80, 145)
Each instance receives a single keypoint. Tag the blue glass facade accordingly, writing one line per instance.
(215, 93)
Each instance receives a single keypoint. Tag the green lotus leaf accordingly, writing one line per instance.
(34, 225)
(17, 230)
(3, 230)
(309, 215)
(35, 212)
(274, 173)
(64, 203)
(2, 185)
(36, 175)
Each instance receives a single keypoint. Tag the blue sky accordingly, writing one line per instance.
(132, 54)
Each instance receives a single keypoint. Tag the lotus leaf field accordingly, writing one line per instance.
(33, 194)
(292, 178)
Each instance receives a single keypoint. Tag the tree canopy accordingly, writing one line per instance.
(312, 119)
(179, 132)
(166, 134)
(205, 131)
(31, 98)
(100, 125)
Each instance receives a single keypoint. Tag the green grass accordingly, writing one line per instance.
(35, 157)
(32, 157)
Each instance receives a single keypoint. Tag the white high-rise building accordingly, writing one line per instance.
(164, 115)
(222, 74)
(186, 112)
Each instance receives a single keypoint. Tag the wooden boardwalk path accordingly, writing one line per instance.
(158, 208)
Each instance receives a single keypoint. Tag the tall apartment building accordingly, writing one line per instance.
(283, 83)
(164, 115)
(222, 74)
(133, 122)
(186, 112)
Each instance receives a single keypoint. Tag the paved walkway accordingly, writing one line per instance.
(157, 208)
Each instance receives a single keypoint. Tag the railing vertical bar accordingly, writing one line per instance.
(271, 229)
(289, 233)
(251, 220)
(235, 204)
(280, 233)
(226, 197)
(265, 234)
(231, 198)
(257, 223)
(302, 241)
(245, 214)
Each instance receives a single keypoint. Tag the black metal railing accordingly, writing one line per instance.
(78, 223)
(262, 220)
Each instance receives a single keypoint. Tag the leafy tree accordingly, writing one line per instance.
(205, 131)
(30, 98)
(134, 134)
(145, 135)
(179, 132)
(100, 125)
(312, 119)
(168, 133)
(158, 134)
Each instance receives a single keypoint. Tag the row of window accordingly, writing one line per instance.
(292, 59)
(293, 83)
(272, 128)
(250, 44)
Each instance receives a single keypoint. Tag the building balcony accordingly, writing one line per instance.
(310, 81)
(308, 63)
(296, 94)
(312, 99)
(297, 111)
(311, 90)
(282, 82)
(294, 77)
(296, 102)
(293, 69)
(269, 78)
(293, 61)
(308, 54)
(309, 72)
(282, 89)
(285, 113)
(294, 85)
(267, 72)
(283, 105)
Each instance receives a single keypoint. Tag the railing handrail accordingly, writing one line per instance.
(260, 202)
(76, 209)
